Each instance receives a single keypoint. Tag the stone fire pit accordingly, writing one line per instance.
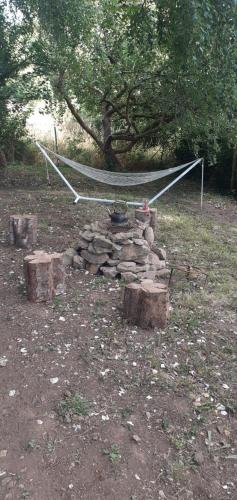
(124, 251)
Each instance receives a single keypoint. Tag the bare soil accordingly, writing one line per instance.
(161, 405)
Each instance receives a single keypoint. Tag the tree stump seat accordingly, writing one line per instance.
(146, 304)
(44, 276)
(23, 230)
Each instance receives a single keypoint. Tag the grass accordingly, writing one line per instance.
(113, 453)
(72, 405)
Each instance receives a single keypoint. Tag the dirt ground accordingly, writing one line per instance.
(94, 409)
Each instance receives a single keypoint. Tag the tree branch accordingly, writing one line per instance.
(81, 122)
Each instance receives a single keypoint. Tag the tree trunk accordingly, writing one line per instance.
(111, 159)
(3, 161)
(11, 153)
(233, 182)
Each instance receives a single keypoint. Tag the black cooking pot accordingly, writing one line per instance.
(118, 217)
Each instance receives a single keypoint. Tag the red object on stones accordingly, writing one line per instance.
(145, 207)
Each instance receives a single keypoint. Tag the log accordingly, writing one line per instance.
(142, 215)
(153, 218)
(58, 273)
(131, 301)
(23, 230)
(44, 276)
(146, 304)
(38, 272)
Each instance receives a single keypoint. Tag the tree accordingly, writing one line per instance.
(17, 85)
(135, 72)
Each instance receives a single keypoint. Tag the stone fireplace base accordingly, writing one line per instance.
(124, 251)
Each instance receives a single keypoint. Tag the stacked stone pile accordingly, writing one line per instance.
(125, 251)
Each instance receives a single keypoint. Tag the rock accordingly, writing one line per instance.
(160, 252)
(109, 272)
(136, 438)
(113, 262)
(139, 241)
(116, 252)
(163, 273)
(154, 260)
(3, 361)
(82, 244)
(126, 266)
(78, 262)
(134, 253)
(92, 268)
(120, 237)
(126, 242)
(68, 256)
(95, 226)
(198, 458)
(147, 275)
(94, 258)
(149, 235)
(87, 235)
(102, 242)
(129, 277)
(141, 268)
(137, 233)
(96, 251)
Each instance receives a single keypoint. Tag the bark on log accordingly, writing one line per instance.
(38, 272)
(23, 230)
(131, 301)
(142, 215)
(146, 304)
(153, 218)
(58, 273)
(44, 276)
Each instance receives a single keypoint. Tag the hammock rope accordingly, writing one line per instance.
(117, 178)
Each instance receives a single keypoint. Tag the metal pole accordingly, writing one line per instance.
(202, 183)
(58, 171)
(158, 195)
(105, 200)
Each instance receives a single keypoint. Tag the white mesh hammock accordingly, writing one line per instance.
(119, 178)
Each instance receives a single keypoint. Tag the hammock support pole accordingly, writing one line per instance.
(58, 171)
(105, 200)
(158, 195)
(202, 183)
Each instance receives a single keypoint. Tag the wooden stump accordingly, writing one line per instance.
(142, 215)
(23, 230)
(58, 273)
(44, 276)
(147, 216)
(153, 218)
(146, 304)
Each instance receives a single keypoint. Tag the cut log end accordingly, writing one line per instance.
(146, 304)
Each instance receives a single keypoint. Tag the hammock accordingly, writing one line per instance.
(116, 178)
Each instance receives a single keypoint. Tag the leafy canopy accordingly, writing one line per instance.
(139, 72)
